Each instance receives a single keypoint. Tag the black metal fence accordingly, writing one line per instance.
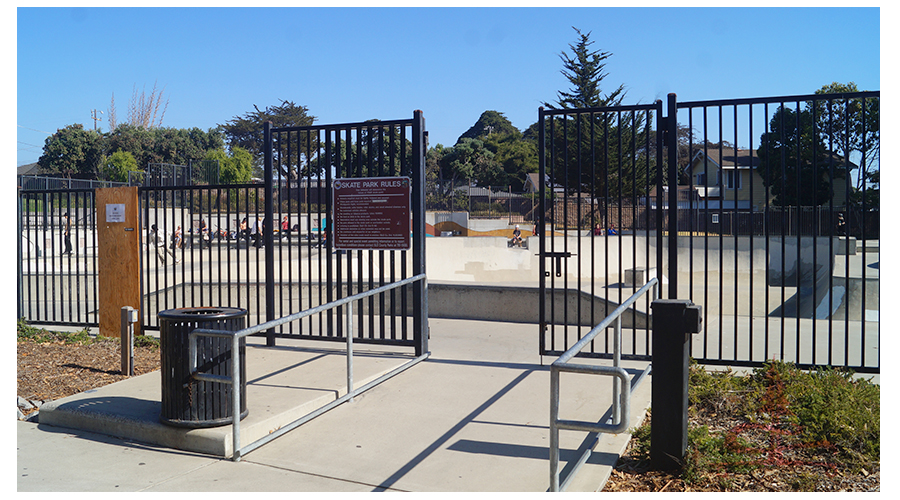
(777, 221)
(269, 247)
(57, 260)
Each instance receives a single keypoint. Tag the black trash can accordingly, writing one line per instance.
(191, 403)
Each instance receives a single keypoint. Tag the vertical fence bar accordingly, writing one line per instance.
(420, 297)
(672, 162)
(267, 228)
(542, 237)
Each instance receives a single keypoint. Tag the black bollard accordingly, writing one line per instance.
(673, 323)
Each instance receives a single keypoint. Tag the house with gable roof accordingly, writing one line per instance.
(727, 178)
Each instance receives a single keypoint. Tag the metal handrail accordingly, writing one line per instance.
(234, 378)
(622, 387)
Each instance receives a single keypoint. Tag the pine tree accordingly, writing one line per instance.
(584, 70)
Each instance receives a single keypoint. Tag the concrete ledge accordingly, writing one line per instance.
(130, 409)
(841, 246)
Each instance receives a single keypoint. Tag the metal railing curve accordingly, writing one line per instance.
(623, 385)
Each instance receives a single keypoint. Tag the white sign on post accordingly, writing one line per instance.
(115, 212)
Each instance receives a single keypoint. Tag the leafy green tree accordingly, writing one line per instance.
(163, 145)
(373, 150)
(434, 190)
(136, 140)
(117, 165)
(794, 161)
(851, 127)
(179, 146)
(72, 152)
(247, 132)
(491, 122)
(468, 159)
(513, 155)
(234, 169)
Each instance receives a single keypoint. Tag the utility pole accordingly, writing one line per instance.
(95, 117)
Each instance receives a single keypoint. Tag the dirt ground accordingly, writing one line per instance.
(52, 370)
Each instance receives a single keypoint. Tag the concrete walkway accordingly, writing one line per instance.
(474, 416)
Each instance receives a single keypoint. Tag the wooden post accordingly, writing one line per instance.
(118, 256)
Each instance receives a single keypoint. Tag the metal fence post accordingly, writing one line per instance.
(673, 322)
(672, 163)
(268, 238)
(420, 290)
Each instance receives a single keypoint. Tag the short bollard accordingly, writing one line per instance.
(129, 317)
(673, 323)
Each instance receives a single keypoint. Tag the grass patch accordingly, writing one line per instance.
(28, 333)
(776, 418)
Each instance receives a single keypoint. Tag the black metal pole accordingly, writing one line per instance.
(542, 262)
(420, 297)
(268, 207)
(673, 322)
(672, 160)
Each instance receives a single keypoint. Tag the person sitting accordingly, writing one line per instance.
(204, 234)
(612, 229)
(244, 230)
(517, 236)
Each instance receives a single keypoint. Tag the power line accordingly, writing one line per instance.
(35, 130)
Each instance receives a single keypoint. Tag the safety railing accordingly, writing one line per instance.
(234, 377)
(623, 385)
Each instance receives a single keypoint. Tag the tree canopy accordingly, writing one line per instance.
(601, 152)
(794, 160)
(584, 69)
(79, 153)
(234, 169)
(72, 152)
(851, 128)
(247, 132)
(117, 165)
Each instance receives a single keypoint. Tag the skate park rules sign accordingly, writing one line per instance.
(372, 213)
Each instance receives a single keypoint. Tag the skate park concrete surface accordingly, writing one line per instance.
(474, 416)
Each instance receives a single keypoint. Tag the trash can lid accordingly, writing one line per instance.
(202, 313)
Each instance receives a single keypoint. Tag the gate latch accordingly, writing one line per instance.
(559, 257)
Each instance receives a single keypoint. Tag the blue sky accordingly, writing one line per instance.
(353, 64)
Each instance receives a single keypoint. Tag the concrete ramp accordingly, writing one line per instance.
(521, 304)
(839, 299)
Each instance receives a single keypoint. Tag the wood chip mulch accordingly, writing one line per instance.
(52, 370)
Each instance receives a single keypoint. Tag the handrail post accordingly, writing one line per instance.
(617, 359)
(673, 323)
(621, 386)
(350, 349)
(235, 399)
(554, 429)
